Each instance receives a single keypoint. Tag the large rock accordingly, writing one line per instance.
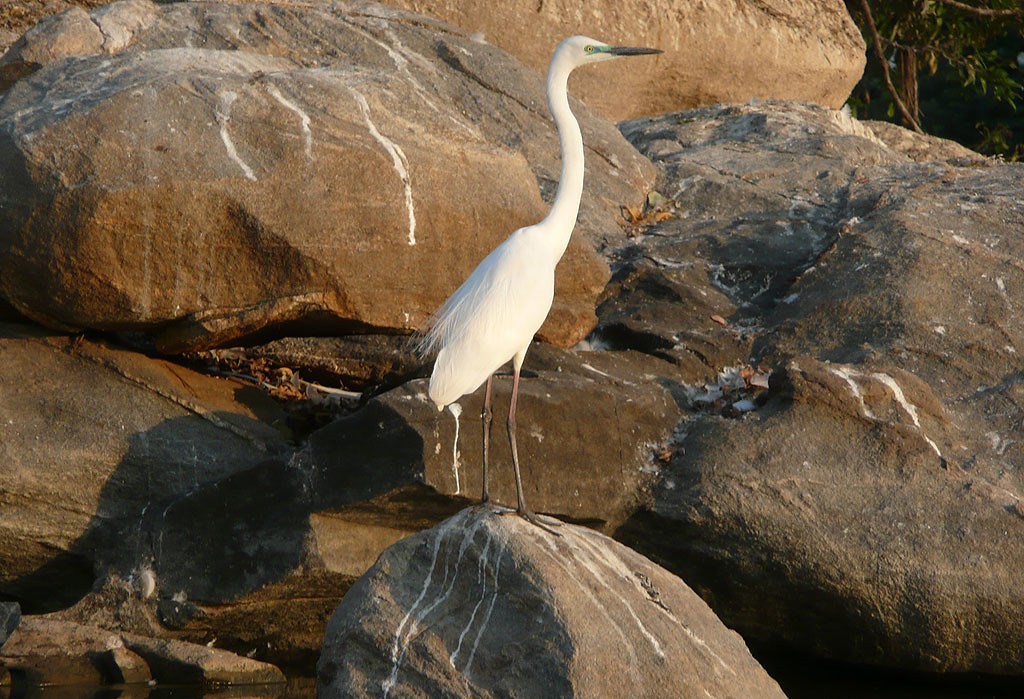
(490, 605)
(18, 20)
(744, 224)
(870, 509)
(95, 438)
(714, 51)
(214, 173)
(75, 32)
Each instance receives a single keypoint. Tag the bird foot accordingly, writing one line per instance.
(535, 519)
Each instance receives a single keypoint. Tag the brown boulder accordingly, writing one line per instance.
(587, 435)
(207, 195)
(714, 51)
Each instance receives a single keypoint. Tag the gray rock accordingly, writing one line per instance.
(747, 220)
(10, 617)
(490, 605)
(869, 510)
(268, 180)
(921, 147)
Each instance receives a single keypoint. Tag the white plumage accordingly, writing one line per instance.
(492, 318)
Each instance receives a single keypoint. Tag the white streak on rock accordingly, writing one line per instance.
(397, 157)
(490, 609)
(909, 407)
(481, 581)
(597, 371)
(223, 116)
(847, 376)
(411, 622)
(400, 55)
(559, 560)
(304, 121)
(585, 555)
(389, 683)
(850, 376)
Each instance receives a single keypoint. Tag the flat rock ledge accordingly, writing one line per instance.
(489, 605)
(46, 651)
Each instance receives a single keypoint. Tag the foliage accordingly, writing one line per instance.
(954, 66)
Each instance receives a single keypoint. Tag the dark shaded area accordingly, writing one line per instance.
(953, 104)
(10, 617)
(357, 362)
(62, 581)
(977, 121)
(255, 520)
(10, 314)
(806, 677)
(296, 688)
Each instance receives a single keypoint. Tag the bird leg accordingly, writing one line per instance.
(486, 416)
(521, 507)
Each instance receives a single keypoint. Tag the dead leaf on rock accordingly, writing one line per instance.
(630, 214)
(656, 208)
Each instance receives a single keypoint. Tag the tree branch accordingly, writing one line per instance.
(983, 11)
(877, 42)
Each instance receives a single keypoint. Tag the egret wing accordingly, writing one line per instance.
(489, 319)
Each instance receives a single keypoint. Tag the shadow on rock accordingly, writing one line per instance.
(230, 537)
(255, 557)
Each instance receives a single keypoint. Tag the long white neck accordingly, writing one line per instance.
(561, 220)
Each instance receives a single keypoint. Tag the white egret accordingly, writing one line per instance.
(492, 318)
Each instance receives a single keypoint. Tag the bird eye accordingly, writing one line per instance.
(588, 48)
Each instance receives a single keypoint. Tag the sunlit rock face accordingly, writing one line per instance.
(216, 175)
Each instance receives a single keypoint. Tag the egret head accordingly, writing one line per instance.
(581, 50)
